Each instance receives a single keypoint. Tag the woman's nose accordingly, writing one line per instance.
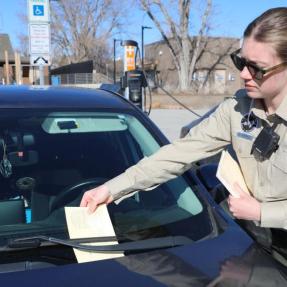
(245, 74)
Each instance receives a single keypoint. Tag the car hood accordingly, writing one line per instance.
(229, 258)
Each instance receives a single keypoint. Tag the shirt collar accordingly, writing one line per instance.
(282, 109)
(259, 110)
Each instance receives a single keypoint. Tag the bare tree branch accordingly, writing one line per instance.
(145, 4)
(198, 39)
(171, 24)
(81, 28)
(184, 48)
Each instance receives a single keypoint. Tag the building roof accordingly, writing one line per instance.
(216, 49)
(83, 67)
(210, 39)
(5, 45)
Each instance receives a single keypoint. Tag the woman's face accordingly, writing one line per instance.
(273, 86)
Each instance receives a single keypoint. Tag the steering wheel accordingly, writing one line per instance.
(70, 193)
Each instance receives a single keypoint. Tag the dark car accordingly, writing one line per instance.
(56, 143)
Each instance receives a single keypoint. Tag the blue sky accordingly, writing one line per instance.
(230, 18)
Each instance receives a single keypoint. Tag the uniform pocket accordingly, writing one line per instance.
(278, 167)
(242, 147)
(280, 160)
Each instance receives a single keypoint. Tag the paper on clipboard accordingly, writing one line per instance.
(83, 225)
(229, 173)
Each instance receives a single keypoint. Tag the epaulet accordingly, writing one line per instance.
(240, 98)
(240, 94)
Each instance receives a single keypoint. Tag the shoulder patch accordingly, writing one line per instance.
(249, 122)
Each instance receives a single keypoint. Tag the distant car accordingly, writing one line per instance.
(55, 143)
(185, 129)
(208, 165)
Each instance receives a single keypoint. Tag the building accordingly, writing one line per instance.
(16, 69)
(214, 71)
(13, 67)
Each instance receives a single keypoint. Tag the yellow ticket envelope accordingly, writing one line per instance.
(84, 225)
(229, 173)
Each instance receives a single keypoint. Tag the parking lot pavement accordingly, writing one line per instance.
(170, 121)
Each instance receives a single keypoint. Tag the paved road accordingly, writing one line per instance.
(170, 121)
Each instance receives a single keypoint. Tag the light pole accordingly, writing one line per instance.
(115, 40)
(143, 27)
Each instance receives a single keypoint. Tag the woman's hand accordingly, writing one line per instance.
(245, 207)
(92, 198)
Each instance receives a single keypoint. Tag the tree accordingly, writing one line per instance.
(80, 29)
(23, 38)
(174, 24)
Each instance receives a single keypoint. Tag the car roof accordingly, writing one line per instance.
(60, 97)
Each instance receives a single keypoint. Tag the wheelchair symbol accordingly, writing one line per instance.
(38, 10)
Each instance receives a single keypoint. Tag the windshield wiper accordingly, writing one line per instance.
(145, 244)
(38, 240)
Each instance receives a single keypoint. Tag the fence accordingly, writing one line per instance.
(78, 78)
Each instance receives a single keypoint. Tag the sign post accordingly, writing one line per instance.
(7, 68)
(39, 35)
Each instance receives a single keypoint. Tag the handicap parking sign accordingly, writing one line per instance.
(38, 10)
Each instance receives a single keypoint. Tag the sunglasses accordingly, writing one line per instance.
(255, 71)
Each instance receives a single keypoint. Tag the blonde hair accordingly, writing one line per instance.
(271, 27)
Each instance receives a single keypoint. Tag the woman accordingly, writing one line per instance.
(254, 122)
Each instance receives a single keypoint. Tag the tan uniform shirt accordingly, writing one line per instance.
(265, 180)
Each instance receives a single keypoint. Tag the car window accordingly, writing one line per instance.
(49, 158)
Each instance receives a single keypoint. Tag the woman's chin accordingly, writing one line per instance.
(252, 93)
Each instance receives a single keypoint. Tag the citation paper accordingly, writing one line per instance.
(83, 225)
(229, 173)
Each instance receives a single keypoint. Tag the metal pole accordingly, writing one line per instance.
(144, 92)
(143, 27)
(143, 47)
(17, 68)
(7, 67)
(20, 69)
(41, 75)
(115, 61)
(143, 89)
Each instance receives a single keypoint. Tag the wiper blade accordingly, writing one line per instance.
(145, 244)
(36, 241)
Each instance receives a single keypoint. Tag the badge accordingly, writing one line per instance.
(245, 135)
(249, 122)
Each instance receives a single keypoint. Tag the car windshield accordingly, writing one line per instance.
(49, 158)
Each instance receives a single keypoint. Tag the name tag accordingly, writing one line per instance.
(245, 136)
